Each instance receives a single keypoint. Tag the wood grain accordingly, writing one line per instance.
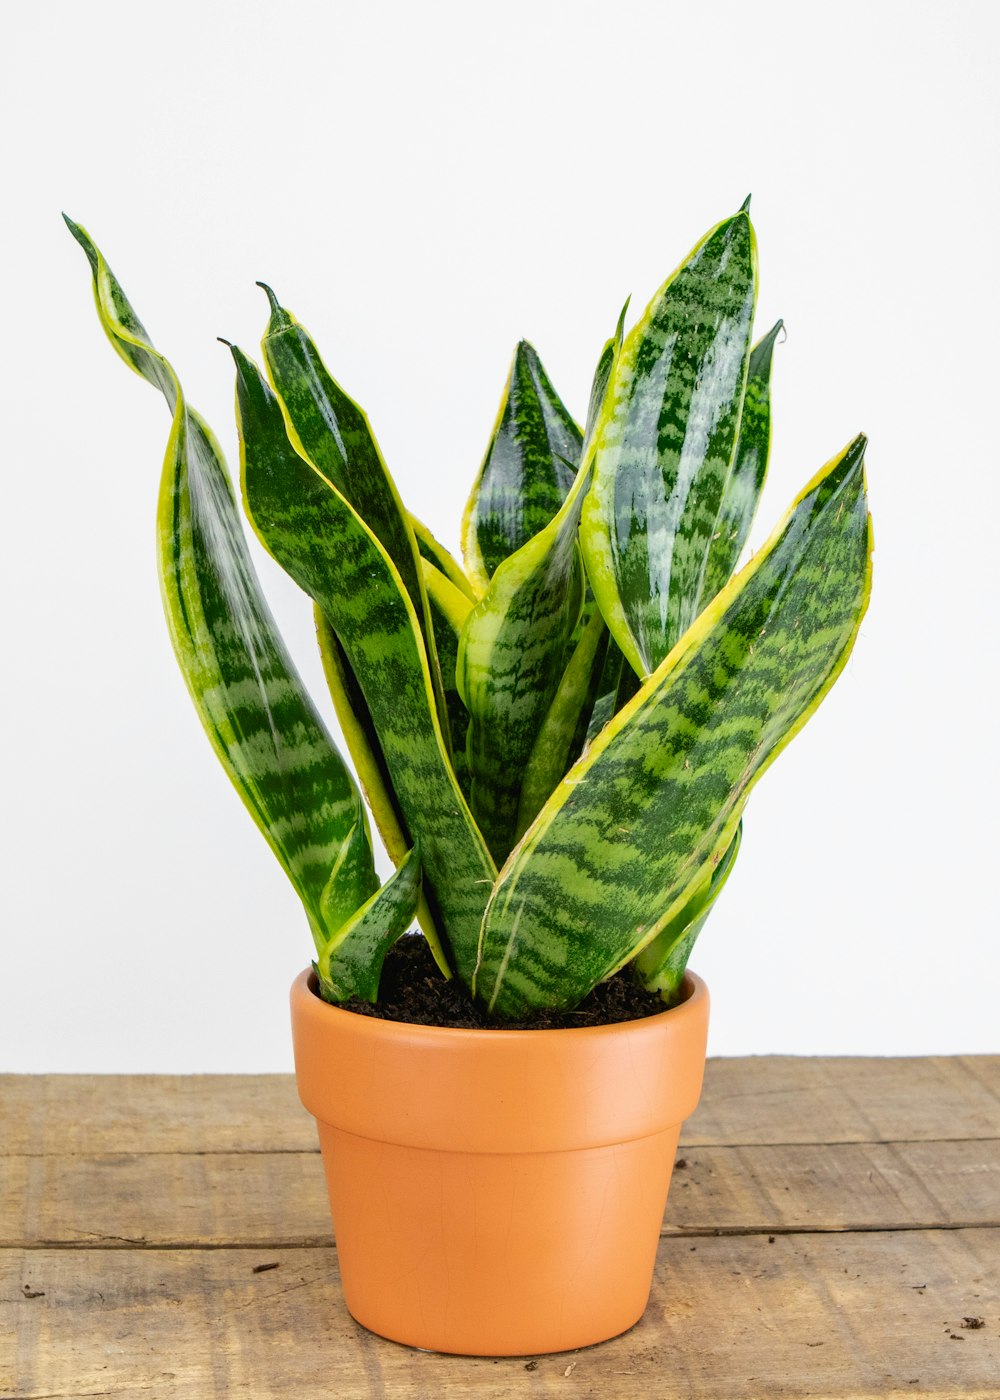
(279, 1199)
(731, 1318)
(765, 1099)
(833, 1225)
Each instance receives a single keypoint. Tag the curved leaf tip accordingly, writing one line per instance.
(280, 318)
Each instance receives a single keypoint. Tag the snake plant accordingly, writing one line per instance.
(557, 741)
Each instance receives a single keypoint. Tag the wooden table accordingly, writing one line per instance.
(833, 1230)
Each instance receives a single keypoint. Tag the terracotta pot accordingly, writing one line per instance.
(497, 1193)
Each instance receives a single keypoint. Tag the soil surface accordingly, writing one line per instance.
(413, 990)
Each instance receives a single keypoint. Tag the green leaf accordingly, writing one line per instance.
(358, 729)
(664, 444)
(602, 374)
(450, 608)
(529, 468)
(628, 834)
(564, 729)
(321, 540)
(662, 963)
(512, 653)
(250, 700)
(332, 432)
(742, 491)
(510, 659)
(350, 963)
(435, 553)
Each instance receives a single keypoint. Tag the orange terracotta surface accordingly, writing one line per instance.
(497, 1192)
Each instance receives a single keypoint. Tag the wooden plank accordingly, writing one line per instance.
(831, 1317)
(780, 1099)
(91, 1113)
(767, 1099)
(279, 1199)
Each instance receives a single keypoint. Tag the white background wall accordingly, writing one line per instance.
(423, 184)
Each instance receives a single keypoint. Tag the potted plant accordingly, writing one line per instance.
(557, 742)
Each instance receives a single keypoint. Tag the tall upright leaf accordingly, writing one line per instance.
(510, 658)
(528, 470)
(450, 608)
(253, 706)
(515, 646)
(319, 538)
(664, 445)
(741, 494)
(333, 433)
(629, 833)
(365, 747)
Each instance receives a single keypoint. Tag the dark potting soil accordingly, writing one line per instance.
(413, 990)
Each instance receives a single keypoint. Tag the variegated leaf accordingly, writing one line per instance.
(529, 468)
(253, 706)
(627, 836)
(333, 433)
(450, 608)
(319, 538)
(664, 445)
(435, 553)
(510, 658)
(564, 729)
(358, 728)
(662, 963)
(746, 480)
(350, 963)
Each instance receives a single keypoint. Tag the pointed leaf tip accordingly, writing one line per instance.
(279, 316)
(745, 206)
(223, 341)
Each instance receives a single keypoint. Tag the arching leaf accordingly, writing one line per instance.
(627, 836)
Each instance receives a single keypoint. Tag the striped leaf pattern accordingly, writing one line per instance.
(510, 658)
(628, 835)
(564, 729)
(529, 468)
(450, 608)
(434, 552)
(363, 744)
(248, 695)
(332, 432)
(746, 480)
(664, 445)
(350, 963)
(322, 542)
(662, 963)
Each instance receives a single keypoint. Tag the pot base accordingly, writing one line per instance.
(429, 1256)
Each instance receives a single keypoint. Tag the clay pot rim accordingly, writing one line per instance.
(379, 1028)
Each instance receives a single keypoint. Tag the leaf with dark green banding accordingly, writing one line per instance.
(564, 729)
(510, 659)
(435, 553)
(254, 708)
(514, 648)
(602, 374)
(350, 963)
(664, 445)
(332, 432)
(628, 834)
(742, 491)
(450, 608)
(321, 540)
(662, 963)
(358, 729)
(524, 478)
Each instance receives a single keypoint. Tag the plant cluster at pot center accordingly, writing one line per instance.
(557, 740)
